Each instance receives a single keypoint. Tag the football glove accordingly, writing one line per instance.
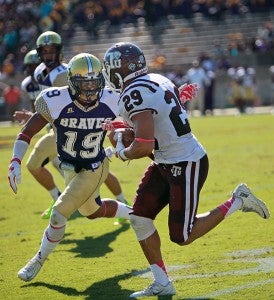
(119, 150)
(14, 173)
(188, 92)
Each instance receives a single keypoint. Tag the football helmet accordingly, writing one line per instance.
(50, 38)
(85, 78)
(31, 61)
(123, 62)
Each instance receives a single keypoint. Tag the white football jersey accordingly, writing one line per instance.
(31, 87)
(56, 77)
(174, 141)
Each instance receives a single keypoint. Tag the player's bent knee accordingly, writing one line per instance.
(57, 219)
(143, 227)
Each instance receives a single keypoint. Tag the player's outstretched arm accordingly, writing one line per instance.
(21, 144)
(22, 116)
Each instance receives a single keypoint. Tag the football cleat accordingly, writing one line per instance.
(155, 289)
(30, 270)
(46, 214)
(250, 202)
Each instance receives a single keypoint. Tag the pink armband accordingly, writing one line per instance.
(143, 140)
(21, 134)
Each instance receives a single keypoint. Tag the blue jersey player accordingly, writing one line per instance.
(76, 113)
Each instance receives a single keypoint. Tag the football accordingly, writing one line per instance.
(127, 136)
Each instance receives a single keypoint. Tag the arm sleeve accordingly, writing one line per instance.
(42, 108)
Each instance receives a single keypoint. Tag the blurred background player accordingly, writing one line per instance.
(50, 72)
(29, 85)
(77, 111)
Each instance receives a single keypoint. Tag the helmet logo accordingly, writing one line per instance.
(132, 67)
(114, 60)
(142, 59)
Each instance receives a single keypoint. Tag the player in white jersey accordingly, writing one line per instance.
(76, 112)
(29, 85)
(150, 104)
(50, 72)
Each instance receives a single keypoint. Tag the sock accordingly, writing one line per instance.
(121, 198)
(122, 211)
(51, 238)
(55, 193)
(230, 206)
(159, 272)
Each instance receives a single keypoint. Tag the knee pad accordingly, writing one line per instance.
(56, 219)
(143, 227)
(56, 229)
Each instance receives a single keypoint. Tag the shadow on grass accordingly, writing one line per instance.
(102, 290)
(95, 247)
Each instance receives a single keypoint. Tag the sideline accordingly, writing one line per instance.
(216, 112)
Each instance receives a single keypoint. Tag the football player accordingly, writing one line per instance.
(53, 72)
(50, 72)
(150, 104)
(76, 112)
(29, 85)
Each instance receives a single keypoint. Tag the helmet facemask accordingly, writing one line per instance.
(49, 62)
(114, 81)
(85, 78)
(50, 38)
(87, 89)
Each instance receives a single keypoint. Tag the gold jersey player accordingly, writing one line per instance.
(52, 72)
(76, 112)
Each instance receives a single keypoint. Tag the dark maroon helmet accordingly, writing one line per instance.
(123, 62)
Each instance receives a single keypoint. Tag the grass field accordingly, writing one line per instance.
(97, 260)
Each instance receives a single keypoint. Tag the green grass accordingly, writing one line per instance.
(97, 260)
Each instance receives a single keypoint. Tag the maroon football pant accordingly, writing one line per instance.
(176, 185)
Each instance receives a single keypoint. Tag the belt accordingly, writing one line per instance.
(67, 166)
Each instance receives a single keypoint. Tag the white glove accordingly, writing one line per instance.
(14, 173)
(119, 149)
(109, 152)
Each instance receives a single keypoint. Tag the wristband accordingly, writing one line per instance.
(122, 155)
(143, 140)
(28, 138)
(16, 159)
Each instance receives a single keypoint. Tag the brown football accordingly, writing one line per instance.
(127, 136)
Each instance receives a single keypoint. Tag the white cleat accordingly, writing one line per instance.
(30, 270)
(250, 202)
(155, 289)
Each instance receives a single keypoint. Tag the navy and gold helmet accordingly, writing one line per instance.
(85, 77)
